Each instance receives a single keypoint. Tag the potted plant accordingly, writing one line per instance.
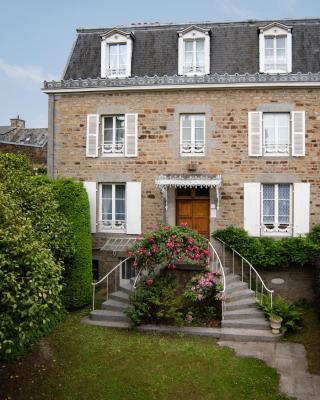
(275, 323)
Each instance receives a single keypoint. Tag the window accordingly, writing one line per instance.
(95, 270)
(113, 207)
(117, 60)
(116, 54)
(275, 53)
(192, 137)
(194, 57)
(276, 133)
(275, 49)
(128, 271)
(113, 135)
(276, 208)
(194, 51)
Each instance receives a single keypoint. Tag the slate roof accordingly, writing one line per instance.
(234, 48)
(33, 137)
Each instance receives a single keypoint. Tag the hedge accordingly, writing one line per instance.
(74, 205)
(32, 240)
(266, 252)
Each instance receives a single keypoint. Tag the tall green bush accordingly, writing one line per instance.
(74, 205)
(266, 252)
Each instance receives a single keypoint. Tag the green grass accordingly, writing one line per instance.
(85, 362)
(309, 337)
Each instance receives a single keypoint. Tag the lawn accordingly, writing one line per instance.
(77, 361)
(309, 336)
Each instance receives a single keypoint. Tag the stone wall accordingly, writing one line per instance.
(38, 155)
(226, 143)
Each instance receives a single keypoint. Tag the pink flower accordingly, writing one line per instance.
(221, 296)
(134, 264)
(167, 228)
(200, 297)
(190, 240)
(189, 318)
(184, 224)
(149, 282)
(206, 251)
(172, 266)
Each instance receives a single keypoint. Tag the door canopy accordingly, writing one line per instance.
(163, 182)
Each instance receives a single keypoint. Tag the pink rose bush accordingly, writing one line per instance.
(168, 245)
(204, 286)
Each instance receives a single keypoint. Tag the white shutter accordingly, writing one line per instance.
(301, 208)
(252, 205)
(91, 188)
(92, 135)
(298, 133)
(255, 133)
(131, 135)
(133, 208)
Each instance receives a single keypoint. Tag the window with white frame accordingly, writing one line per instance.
(117, 59)
(275, 49)
(113, 134)
(116, 54)
(194, 51)
(194, 60)
(276, 208)
(192, 134)
(276, 134)
(112, 207)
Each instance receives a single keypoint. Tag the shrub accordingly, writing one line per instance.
(266, 252)
(168, 245)
(291, 313)
(30, 303)
(73, 204)
(155, 300)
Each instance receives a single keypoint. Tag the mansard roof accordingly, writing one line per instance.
(234, 48)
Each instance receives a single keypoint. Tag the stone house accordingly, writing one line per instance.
(213, 124)
(31, 142)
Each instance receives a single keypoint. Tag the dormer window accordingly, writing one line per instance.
(116, 54)
(194, 51)
(275, 49)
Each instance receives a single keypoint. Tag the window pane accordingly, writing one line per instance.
(268, 204)
(120, 129)
(284, 203)
(269, 128)
(120, 202)
(106, 202)
(112, 56)
(199, 135)
(128, 271)
(122, 58)
(108, 124)
(186, 128)
(188, 45)
(200, 45)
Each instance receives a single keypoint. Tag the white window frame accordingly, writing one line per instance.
(192, 152)
(272, 31)
(113, 152)
(277, 153)
(115, 226)
(276, 231)
(115, 37)
(191, 34)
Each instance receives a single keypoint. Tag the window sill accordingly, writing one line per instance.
(192, 154)
(116, 76)
(112, 155)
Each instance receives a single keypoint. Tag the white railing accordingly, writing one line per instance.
(112, 225)
(107, 277)
(188, 147)
(113, 148)
(253, 273)
(216, 265)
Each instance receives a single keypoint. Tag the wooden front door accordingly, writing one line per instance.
(192, 206)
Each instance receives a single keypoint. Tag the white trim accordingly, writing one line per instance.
(199, 86)
(301, 200)
(193, 153)
(257, 133)
(94, 135)
(275, 30)
(112, 154)
(193, 34)
(134, 135)
(116, 38)
(302, 133)
(277, 154)
(113, 210)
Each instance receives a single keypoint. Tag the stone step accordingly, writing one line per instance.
(106, 315)
(241, 304)
(254, 323)
(120, 296)
(235, 286)
(230, 278)
(252, 335)
(246, 313)
(240, 294)
(126, 287)
(113, 305)
(107, 324)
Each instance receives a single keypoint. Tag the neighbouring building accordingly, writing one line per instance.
(32, 142)
(213, 124)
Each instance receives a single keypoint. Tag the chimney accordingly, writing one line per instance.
(17, 123)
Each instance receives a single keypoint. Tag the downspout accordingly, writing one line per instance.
(50, 148)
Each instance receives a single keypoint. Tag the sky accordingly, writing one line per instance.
(36, 37)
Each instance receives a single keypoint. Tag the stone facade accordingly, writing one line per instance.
(226, 150)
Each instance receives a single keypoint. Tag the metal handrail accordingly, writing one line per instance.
(223, 275)
(106, 276)
(251, 268)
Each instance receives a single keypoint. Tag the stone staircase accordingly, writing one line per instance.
(243, 321)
